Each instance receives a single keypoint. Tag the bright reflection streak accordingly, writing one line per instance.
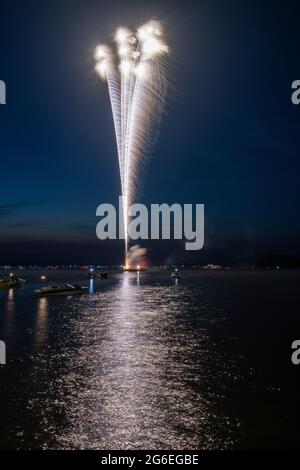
(11, 296)
(91, 286)
(10, 313)
(41, 327)
(129, 370)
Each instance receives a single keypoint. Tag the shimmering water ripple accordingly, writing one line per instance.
(133, 372)
(142, 363)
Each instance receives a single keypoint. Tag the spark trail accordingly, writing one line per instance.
(136, 78)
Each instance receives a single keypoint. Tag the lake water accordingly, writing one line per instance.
(145, 362)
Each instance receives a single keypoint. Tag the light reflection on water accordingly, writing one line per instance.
(91, 286)
(133, 377)
(132, 366)
(9, 312)
(41, 326)
(144, 361)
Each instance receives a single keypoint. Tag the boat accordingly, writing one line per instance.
(175, 275)
(61, 289)
(93, 275)
(11, 280)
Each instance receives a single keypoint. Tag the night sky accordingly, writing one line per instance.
(229, 139)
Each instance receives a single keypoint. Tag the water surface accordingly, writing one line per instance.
(148, 362)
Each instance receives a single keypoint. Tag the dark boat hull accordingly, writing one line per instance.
(98, 275)
(61, 292)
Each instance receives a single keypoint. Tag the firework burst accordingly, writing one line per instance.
(135, 74)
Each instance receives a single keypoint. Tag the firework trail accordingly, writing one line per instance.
(137, 87)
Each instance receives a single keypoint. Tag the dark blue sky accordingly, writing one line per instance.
(230, 137)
